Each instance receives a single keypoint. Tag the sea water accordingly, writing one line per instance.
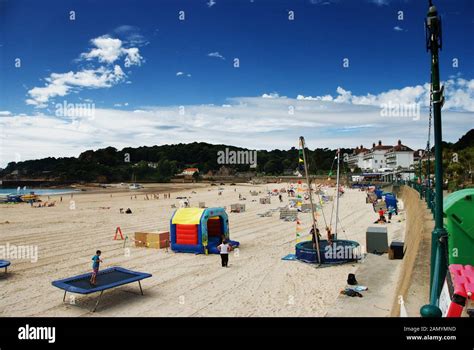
(41, 192)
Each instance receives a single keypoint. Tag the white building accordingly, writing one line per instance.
(399, 157)
(356, 159)
(190, 171)
(374, 159)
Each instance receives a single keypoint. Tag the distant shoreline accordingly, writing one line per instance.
(110, 188)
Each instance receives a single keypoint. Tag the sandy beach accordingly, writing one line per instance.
(257, 283)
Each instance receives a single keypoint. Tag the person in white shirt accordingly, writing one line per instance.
(224, 249)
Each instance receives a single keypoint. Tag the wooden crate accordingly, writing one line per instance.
(288, 213)
(140, 239)
(306, 207)
(237, 208)
(157, 240)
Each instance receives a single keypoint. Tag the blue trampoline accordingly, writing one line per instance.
(339, 252)
(4, 264)
(106, 279)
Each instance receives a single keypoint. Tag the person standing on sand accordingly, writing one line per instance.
(96, 260)
(224, 248)
(315, 237)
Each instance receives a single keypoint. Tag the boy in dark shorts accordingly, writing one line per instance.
(224, 249)
(96, 260)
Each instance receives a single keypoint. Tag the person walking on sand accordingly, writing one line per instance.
(224, 248)
(96, 260)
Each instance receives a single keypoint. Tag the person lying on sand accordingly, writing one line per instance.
(96, 260)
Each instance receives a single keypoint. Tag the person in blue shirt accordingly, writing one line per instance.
(96, 260)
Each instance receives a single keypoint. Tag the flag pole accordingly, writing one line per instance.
(302, 144)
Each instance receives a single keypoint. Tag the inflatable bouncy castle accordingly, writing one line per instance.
(199, 230)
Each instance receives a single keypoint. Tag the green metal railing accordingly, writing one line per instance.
(439, 262)
(426, 192)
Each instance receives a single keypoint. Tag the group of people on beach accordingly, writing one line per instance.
(152, 196)
(390, 212)
(42, 204)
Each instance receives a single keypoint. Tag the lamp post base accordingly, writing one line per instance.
(430, 311)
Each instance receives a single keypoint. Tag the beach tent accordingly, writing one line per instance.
(199, 230)
(391, 200)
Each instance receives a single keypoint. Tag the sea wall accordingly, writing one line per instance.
(414, 277)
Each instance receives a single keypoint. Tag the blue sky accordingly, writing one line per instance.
(190, 63)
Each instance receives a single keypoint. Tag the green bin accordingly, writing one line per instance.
(458, 211)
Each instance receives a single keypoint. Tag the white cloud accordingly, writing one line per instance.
(323, 2)
(131, 35)
(133, 57)
(5, 113)
(179, 74)
(107, 51)
(272, 95)
(210, 3)
(380, 2)
(125, 29)
(317, 98)
(459, 95)
(61, 84)
(216, 55)
(340, 120)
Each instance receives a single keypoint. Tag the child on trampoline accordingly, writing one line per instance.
(330, 235)
(96, 260)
